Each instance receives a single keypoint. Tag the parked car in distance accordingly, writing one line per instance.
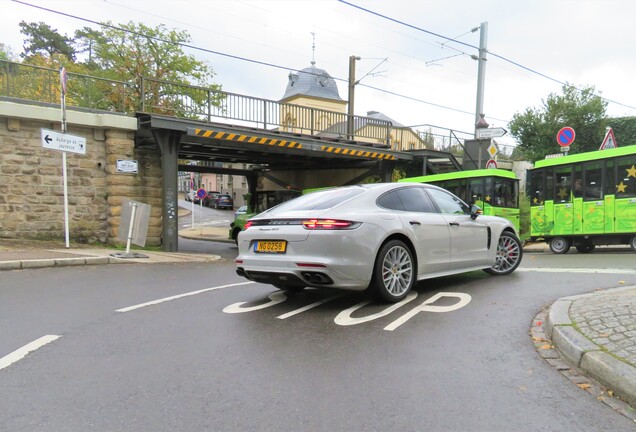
(191, 195)
(241, 210)
(223, 201)
(383, 237)
(208, 199)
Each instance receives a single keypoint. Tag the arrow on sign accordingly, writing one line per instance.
(48, 139)
(491, 133)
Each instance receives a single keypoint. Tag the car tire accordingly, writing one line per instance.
(560, 245)
(509, 254)
(586, 247)
(632, 243)
(394, 272)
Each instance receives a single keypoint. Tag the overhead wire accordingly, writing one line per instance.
(501, 57)
(232, 56)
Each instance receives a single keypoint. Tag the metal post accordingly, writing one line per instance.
(481, 71)
(350, 105)
(130, 228)
(64, 174)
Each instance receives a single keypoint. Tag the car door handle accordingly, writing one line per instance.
(453, 223)
(415, 223)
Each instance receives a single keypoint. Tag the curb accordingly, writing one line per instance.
(59, 262)
(584, 354)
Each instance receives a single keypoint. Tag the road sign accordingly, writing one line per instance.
(566, 136)
(201, 193)
(491, 164)
(60, 141)
(490, 133)
(492, 150)
(609, 142)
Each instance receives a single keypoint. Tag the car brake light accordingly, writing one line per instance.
(328, 224)
(248, 224)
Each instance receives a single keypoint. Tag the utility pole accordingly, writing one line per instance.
(481, 72)
(352, 84)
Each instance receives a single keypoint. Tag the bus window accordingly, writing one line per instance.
(549, 184)
(563, 184)
(454, 187)
(476, 190)
(577, 182)
(504, 193)
(536, 187)
(626, 178)
(592, 189)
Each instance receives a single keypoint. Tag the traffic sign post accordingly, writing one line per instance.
(484, 133)
(491, 164)
(565, 138)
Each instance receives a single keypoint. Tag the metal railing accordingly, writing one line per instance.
(36, 83)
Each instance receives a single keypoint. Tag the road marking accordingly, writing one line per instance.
(20, 353)
(310, 306)
(576, 270)
(178, 296)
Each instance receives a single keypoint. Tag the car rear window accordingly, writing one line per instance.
(320, 200)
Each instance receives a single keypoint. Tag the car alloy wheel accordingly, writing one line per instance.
(394, 272)
(509, 254)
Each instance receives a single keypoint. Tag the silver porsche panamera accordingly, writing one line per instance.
(383, 237)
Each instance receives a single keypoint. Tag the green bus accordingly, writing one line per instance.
(584, 200)
(495, 191)
(264, 200)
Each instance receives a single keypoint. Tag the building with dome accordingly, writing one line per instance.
(314, 88)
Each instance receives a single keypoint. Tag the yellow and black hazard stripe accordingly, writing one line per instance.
(228, 136)
(359, 153)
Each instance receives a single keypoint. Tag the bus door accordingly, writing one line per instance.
(625, 205)
(506, 199)
(540, 224)
(479, 195)
(563, 205)
(593, 211)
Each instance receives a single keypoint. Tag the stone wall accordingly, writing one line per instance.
(31, 179)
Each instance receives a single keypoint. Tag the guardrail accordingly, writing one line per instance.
(35, 83)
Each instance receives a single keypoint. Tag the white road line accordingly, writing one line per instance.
(310, 306)
(575, 270)
(20, 353)
(178, 296)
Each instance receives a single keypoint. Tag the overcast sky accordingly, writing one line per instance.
(576, 41)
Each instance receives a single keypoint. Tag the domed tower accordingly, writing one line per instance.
(311, 87)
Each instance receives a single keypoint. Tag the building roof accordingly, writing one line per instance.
(312, 81)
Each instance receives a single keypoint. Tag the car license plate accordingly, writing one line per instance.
(278, 246)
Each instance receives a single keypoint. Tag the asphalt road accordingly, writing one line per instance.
(236, 356)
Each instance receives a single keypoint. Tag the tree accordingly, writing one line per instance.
(536, 128)
(41, 39)
(624, 130)
(126, 52)
(6, 53)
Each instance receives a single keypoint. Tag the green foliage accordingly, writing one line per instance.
(536, 128)
(624, 130)
(41, 39)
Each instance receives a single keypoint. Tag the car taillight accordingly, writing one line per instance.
(248, 224)
(328, 224)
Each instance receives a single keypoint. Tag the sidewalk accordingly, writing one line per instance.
(596, 333)
(29, 254)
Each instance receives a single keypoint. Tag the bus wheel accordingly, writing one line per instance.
(560, 245)
(632, 243)
(586, 247)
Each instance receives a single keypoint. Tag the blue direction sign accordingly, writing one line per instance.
(201, 193)
(566, 136)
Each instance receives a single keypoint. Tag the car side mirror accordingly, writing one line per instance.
(475, 211)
